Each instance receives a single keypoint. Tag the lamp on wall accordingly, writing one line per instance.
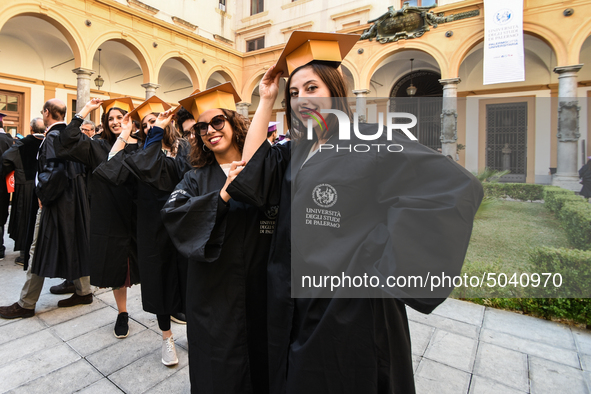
(98, 81)
(411, 90)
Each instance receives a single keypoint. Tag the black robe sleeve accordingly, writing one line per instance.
(77, 146)
(11, 159)
(430, 202)
(154, 168)
(259, 183)
(196, 223)
(53, 176)
(113, 170)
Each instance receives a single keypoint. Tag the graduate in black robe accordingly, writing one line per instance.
(6, 142)
(22, 159)
(62, 248)
(163, 271)
(585, 175)
(227, 244)
(113, 248)
(381, 213)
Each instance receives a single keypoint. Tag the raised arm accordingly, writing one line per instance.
(257, 133)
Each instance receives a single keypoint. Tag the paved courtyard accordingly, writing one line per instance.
(460, 348)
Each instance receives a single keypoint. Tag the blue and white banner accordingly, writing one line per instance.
(504, 59)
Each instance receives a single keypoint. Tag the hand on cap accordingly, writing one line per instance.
(163, 119)
(90, 106)
(269, 85)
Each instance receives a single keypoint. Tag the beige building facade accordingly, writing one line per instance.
(58, 48)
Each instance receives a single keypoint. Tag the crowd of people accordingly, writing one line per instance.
(205, 209)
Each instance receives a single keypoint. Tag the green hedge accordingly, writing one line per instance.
(516, 191)
(577, 310)
(576, 221)
(554, 200)
(574, 266)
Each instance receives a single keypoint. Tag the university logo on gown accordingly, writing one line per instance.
(324, 195)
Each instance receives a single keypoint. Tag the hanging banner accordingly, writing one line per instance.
(504, 59)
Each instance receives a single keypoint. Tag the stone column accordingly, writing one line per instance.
(449, 117)
(568, 128)
(150, 89)
(360, 104)
(82, 87)
(242, 108)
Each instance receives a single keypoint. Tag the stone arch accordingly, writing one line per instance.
(132, 44)
(185, 61)
(373, 63)
(251, 85)
(355, 73)
(226, 73)
(576, 44)
(56, 20)
(530, 28)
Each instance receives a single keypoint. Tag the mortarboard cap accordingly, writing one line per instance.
(178, 107)
(272, 127)
(124, 103)
(2, 116)
(304, 47)
(153, 104)
(222, 96)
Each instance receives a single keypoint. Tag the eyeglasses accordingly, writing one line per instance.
(217, 122)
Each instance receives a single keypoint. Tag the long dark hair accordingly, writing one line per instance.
(171, 135)
(107, 134)
(338, 91)
(200, 158)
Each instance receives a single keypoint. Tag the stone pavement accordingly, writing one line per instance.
(460, 348)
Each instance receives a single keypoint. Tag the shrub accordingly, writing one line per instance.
(553, 199)
(576, 221)
(516, 191)
(574, 267)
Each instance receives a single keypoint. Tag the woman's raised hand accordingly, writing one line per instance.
(163, 119)
(269, 85)
(90, 106)
(126, 126)
(235, 169)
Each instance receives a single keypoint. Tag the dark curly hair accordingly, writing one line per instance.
(171, 135)
(107, 134)
(181, 117)
(200, 158)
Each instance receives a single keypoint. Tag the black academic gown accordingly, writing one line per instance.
(227, 247)
(6, 141)
(113, 250)
(162, 270)
(395, 212)
(62, 248)
(585, 175)
(22, 159)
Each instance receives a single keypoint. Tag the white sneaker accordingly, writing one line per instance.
(169, 352)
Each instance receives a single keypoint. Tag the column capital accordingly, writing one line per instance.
(83, 71)
(361, 91)
(150, 85)
(243, 104)
(450, 81)
(565, 69)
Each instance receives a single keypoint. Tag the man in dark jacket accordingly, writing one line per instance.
(6, 142)
(60, 243)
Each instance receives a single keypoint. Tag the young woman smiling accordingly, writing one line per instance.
(376, 211)
(162, 270)
(227, 245)
(113, 248)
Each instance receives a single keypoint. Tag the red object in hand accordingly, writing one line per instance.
(10, 182)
